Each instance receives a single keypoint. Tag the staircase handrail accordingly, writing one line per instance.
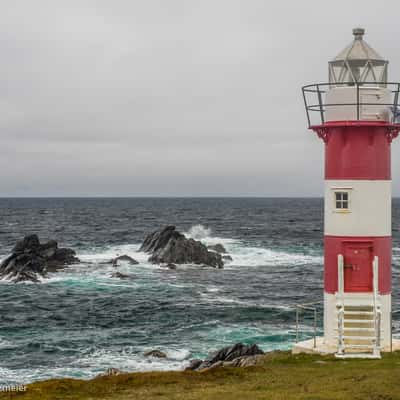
(340, 303)
(377, 311)
(307, 307)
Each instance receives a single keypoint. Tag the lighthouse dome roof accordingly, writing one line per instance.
(358, 49)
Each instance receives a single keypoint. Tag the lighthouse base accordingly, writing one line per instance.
(320, 346)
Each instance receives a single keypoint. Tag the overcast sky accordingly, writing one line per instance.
(172, 97)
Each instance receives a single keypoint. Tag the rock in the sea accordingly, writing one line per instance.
(167, 246)
(155, 353)
(120, 275)
(30, 259)
(124, 258)
(169, 266)
(219, 248)
(235, 355)
(227, 257)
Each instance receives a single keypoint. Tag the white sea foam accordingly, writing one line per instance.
(106, 254)
(129, 360)
(208, 298)
(198, 232)
(250, 256)
(6, 344)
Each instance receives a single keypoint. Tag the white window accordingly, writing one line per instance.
(342, 200)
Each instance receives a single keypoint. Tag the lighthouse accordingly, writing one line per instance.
(356, 116)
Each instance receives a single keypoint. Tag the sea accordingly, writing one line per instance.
(81, 321)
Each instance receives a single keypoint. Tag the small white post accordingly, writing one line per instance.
(340, 306)
(377, 311)
(340, 276)
(375, 266)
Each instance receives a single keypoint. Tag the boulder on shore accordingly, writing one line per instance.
(31, 259)
(168, 246)
(238, 355)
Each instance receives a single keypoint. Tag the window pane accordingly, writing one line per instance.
(338, 196)
(345, 204)
(345, 196)
(338, 204)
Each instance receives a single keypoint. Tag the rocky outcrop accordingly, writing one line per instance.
(31, 259)
(168, 246)
(238, 355)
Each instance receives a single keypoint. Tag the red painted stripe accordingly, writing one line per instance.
(335, 245)
(357, 152)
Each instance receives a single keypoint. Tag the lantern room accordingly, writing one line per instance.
(358, 63)
(357, 90)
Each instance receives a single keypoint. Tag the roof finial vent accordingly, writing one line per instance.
(358, 33)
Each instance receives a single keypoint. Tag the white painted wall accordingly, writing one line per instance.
(370, 208)
(348, 95)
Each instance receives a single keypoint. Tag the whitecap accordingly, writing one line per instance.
(198, 232)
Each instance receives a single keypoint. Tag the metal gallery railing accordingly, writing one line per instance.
(315, 103)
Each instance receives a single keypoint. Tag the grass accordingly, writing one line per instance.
(280, 376)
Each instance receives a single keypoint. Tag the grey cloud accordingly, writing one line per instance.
(171, 97)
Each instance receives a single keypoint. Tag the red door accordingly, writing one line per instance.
(358, 267)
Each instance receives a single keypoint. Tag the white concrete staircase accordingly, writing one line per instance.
(358, 323)
(359, 329)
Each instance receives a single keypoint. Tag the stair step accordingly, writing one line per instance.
(358, 355)
(356, 328)
(357, 337)
(359, 346)
(358, 321)
(358, 312)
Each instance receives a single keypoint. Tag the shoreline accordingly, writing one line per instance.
(277, 375)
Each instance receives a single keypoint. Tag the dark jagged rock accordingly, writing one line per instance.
(120, 275)
(217, 248)
(232, 355)
(124, 258)
(168, 246)
(30, 259)
(155, 353)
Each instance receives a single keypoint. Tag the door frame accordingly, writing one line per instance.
(367, 243)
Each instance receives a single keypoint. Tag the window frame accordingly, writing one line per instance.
(345, 193)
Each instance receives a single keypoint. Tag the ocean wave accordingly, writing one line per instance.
(198, 232)
(128, 359)
(224, 300)
(250, 256)
(6, 344)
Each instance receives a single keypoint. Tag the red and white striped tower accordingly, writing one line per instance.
(357, 111)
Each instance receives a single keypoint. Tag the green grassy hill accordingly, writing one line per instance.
(280, 375)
